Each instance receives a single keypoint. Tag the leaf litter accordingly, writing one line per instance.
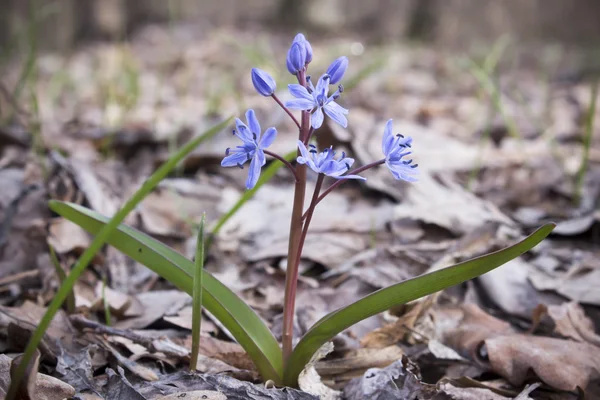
(526, 330)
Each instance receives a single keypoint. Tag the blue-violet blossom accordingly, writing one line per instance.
(299, 54)
(263, 82)
(316, 98)
(395, 148)
(325, 163)
(252, 148)
(337, 69)
(296, 58)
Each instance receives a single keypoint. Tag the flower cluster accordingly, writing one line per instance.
(313, 100)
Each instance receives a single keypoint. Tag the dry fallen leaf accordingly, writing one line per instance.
(561, 364)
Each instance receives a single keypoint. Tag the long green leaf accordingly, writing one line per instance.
(197, 296)
(97, 244)
(243, 323)
(400, 293)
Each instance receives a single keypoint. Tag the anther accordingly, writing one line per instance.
(400, 135)
(240, 165)
(314, 151)
(233, 132)
(343, 155)
(227, 150)
(254, 135)
(414, 165)
(341, 88)
(347, 166)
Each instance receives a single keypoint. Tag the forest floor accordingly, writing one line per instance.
(499, 136)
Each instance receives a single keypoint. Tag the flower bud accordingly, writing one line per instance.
(296, 58)
(337, 69)
(263, 82)
(307, 47)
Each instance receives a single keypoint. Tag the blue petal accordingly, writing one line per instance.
(267, 138)
(261, 157)
(322, 88)
(253, 172)
(334, 111)
(263, 82)
(234, 160)
(350, 177)
(388, 138)
(337, 69)
(316, 118)
(307, 157)
(300, 104)
(300, 92)
(333, 168)
(296, 57)
(242, 131)
(253, 123)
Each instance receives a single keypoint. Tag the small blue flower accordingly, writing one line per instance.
(299, 54)
(307, 47)
(395, 148)
(296, 58)
(337, 69)
(252, 148)
(311, 98)
(325, 163)
(263, 82)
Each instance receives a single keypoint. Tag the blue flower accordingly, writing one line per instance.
(325, 163)
(395, 148)
(299, 54)
(263, 82)
(307, 47)
(252, 148)
(317, 100)
(337, 69)
(296, 58)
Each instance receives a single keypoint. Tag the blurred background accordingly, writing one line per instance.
(62, 24)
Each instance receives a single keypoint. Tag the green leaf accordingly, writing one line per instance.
(243, 323)
(197, 295)
(400, 293)
(87, 256)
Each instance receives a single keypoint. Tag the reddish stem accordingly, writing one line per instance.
(339, 182)
(291, 278)
(284, 161)
(287, 110)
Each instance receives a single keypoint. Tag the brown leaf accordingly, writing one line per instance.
(571, 322)
(561, 364)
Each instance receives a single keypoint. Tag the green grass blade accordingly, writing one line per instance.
(265, 177)
(587, 141)
(197, 296)
(400, 293)
(243, 323)
(62, 276)
(97, 244)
